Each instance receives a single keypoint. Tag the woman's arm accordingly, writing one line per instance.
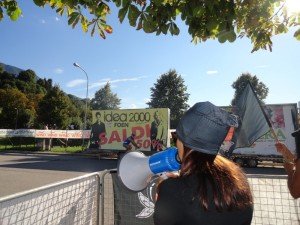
(294, 180)
(292, 167)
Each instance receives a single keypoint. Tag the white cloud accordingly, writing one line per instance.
(75, 83)
(210, 72)
(262, 66)
(104, 81)
(132, 106)
(57, 19)
(58, 71)
(43, 21)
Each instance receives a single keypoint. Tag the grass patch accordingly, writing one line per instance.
(32, 148)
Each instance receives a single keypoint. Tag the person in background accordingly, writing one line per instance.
(127, 144)
(157, 132)
(98, 129)
(210, 189)
(291, 166)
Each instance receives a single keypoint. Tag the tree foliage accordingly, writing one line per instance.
(105, 99)
(55, 109)
(16, 108)
(259, 87)
(27, 76)
(33, 102)
(224, 20)
(170, 92)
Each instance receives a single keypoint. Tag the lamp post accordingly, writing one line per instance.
(86, 100)
(16, 126)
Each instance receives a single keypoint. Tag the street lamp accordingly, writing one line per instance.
(16, 118)
(86, 100)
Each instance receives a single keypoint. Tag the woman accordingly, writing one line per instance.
(210, 189)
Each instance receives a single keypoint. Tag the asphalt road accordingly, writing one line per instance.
(20, 172)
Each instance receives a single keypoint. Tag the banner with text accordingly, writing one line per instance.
(281, 118)
(66, 134)
(112, 127)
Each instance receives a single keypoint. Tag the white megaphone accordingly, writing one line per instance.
(135, 169)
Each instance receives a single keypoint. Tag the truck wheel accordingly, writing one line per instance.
(252, 163)
(239, 162)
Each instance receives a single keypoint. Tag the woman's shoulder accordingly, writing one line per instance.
(177, 182)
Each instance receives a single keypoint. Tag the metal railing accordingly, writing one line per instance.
(74, 201)
(99, 198)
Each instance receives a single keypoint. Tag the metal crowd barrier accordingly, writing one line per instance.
(74, 201)
(99, 198)
(273, 203)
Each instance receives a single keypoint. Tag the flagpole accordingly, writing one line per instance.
(265, 115)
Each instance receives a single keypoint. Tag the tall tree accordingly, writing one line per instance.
(170, 92)
(17, 110)
(55, 109)
(105, 99)
(7, 80)
(259, 87)
(225, 20)
(27, 76)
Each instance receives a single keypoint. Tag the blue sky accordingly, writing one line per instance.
(132, 61)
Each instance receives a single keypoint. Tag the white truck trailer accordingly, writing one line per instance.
(284, 119)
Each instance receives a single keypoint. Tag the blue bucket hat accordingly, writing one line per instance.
(204, 127)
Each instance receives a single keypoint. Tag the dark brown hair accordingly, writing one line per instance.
(229, 184)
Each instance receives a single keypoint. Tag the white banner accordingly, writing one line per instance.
(67, 134)
(282, 121)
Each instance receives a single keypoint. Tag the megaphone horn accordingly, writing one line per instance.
(135, 169)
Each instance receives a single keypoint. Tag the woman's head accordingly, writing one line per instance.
(204, 127)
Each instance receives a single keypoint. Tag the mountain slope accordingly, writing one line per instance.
(11, 69)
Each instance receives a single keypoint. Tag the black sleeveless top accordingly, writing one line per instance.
(178, 204)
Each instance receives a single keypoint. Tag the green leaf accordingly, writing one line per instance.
(72, 17)
(14, 15)
(125, 3)
(133, 15)
(93, 29)
(1, 13)
(117, 2)
(297, 34)
(122, 13)
(140, 24)
(84, 24)
(148, 27)
(231, 36)
(281, 28)
(222, 36)
(164, 28)
(39, 2)
(198, 11)
(174, 30)
(76, 21)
